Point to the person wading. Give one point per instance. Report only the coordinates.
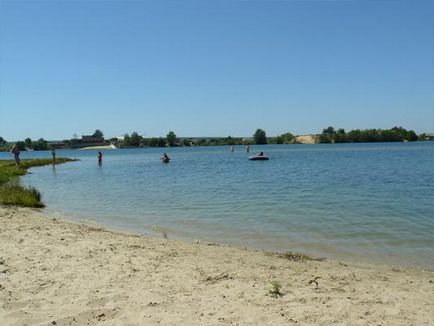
(16, 151)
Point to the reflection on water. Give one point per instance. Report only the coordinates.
(372, 202)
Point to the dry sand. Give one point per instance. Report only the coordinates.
(305, 139)
(60, 273)
(98, 147)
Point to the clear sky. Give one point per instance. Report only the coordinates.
(213, 68)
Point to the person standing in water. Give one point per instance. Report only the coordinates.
(53, 156)
(16, 151)
(247, 148)
(232, 148)
(165, 158)
(99, 158)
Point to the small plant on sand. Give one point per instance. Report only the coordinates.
(275, 290)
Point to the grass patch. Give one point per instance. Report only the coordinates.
(11, 192)
(8, 171)
(15, 194)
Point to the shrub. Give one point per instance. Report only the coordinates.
(275, 289)
(14, 194)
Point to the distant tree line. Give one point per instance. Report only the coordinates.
(135, 140)
(260, 138)
(171, 140)
(424, 136)
(286, 138)
(28, 144)
(396, 134)
(328, 135)
(3, 142)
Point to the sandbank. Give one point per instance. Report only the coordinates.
(98, 147)
(54, 272)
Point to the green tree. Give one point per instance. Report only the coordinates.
(201, 142)
(287, 138)
(171, 138)
(28, 142)
(161, 142)
(412, 136)
(277, 140)
(98, 133)
(153, 142)
(157, 142)
(40, 145)
(341, 136)
(186, 142)
(260, 137)
(135, 139)
(396, 134)
(145, 142)
(229, 140)
(328, 135)
(329, 130)
(21, 146)
(2, 141)
(127, 140)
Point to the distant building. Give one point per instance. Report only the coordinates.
(429, 136)
(91, 139)
(57, 144)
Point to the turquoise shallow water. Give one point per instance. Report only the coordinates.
(365, 202)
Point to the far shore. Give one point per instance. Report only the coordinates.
(98, 147)
(63, 273)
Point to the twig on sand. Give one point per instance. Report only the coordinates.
(315, 280)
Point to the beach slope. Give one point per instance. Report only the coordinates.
(59, 273)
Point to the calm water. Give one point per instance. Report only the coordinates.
(369, 202)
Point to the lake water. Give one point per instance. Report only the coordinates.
(364, 202)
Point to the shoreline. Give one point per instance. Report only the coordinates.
(71, 273)
(308, 248)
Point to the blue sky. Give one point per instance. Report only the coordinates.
(213, 68)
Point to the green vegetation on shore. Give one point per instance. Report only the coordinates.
(328, 135)
(12, 192)
(396, 134)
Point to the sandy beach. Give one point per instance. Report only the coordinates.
(60, 273)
